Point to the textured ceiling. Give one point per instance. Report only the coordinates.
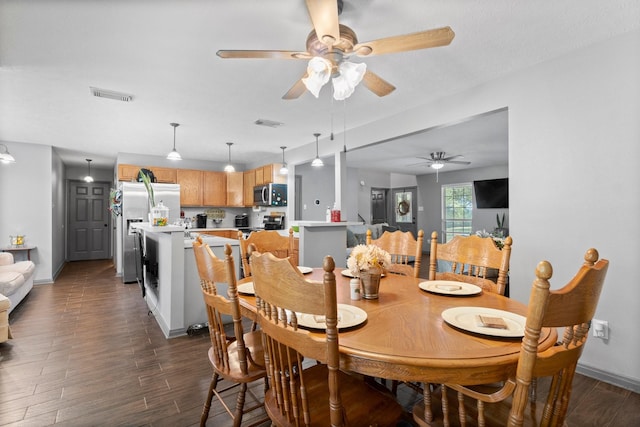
(163, 53)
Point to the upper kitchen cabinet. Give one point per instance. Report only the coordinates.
(235, 189)
(128, 172)
(249, 178)
(214, 185)
(268, 174)
(190, 186)
(164, 175)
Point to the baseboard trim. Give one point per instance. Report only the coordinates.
(607, 377)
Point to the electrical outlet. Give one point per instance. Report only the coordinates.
(600, 329)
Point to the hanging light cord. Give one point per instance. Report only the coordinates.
(344, 127)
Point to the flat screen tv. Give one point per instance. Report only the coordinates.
(492, 193)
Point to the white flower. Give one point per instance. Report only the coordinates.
(363, 257)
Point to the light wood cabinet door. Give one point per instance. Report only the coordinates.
(128, 172)
(190, 187)
(214, 188)
(278, 178)
(164, 175)
(259, 176)
(267, 174)
(235, 187)
(249, 182)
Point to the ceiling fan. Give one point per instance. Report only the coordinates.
(330, 44)
(438, 159)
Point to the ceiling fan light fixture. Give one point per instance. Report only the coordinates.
(88, 178)
(437, 165)
(318, 74)
(317, 162)
(284, 170)
(173, 154)
(229, 167)
(344, 84)
(5, 156)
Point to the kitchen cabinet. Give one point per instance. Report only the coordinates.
(128, 172)
(229, 234)
(164, 175)
(249, 181)
(268, 174)
(190, 186)
(259, 172)
(235, 189)
(214, 188)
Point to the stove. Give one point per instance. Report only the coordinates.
(274, 221)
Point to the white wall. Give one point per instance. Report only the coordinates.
(26, 205)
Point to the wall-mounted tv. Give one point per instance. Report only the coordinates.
(492, 193)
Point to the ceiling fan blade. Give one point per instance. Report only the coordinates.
(377, 84)
(421, 40)
(296, 90)
(446, 159)
(457, 162)
(324, 16)
(262, 54)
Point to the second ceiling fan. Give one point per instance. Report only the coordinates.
(330, 44)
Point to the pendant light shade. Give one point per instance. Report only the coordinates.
(345, 77)
(317, 162)
(88, 178)
(5, 156)
(284, 170)
(174, 155)
(229, 167)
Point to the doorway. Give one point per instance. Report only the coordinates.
(379, 210)
(88, 231)
(404, 203)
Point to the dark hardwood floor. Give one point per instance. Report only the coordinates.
(86, 353)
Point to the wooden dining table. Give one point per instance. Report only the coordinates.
(405, 337)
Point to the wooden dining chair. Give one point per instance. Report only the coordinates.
(239, 359)
(267, 241)
(473, 259)
(405, 250)
(571, 308)
(321, 394)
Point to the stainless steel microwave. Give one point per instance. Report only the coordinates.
(270, 195)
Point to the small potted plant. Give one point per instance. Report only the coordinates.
(500, 231)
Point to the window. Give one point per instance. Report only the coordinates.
(456, 210)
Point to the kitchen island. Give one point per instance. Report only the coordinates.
(171, 280)
(320, 238)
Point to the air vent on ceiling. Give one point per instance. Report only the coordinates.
(269, 123)
(110, 94)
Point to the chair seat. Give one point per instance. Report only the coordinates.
(364, 405)
(253, 343)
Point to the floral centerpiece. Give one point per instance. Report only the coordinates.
(367, 257)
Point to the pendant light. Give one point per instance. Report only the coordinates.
(229, 167)
(88, 178)
(5, 156)
(317, 162)
(284, 170)
(174, 155)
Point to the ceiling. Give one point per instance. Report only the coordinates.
(162, 52)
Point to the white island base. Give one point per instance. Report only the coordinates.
(319, 239)
(175, 299)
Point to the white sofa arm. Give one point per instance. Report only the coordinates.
(6, 258)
